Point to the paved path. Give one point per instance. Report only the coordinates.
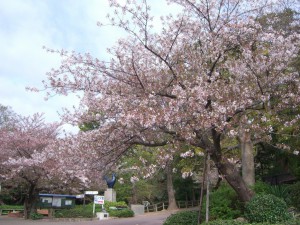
(146, 219)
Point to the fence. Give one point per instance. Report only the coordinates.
(164, 205)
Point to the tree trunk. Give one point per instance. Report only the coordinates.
(202, 190)
(170, 188)
(248, 172)
(225, 168)
(30, 202)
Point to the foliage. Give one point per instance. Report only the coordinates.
(36, 216)
(121, 213)
(294, 194)
(261, 187)
(224, 222)
(77, 212)
(224, 203)
(86, 211)
(280, 191)
(266, 208)
(118, 209)
(182, 218)
(234, 222)
(119, 204)
(140, 163)
(11, 207)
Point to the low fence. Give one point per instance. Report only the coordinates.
(187, 204)
(164, 205)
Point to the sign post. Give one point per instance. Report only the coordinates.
(98, 199)
(90, 193)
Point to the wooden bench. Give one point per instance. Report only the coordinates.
(6, 211)
(44, 212)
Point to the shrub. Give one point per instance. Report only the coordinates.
(120, 204)
(294, 193)
(36, 216)
(76, 212)
(11, 207)
(233, 222)
(224, 222)
(121, 210)
(224, 204)
(121, 213)
(118, 209)
(261, 187)
(266, 208)
(280, 191)
(182, 218)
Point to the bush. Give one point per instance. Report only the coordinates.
(294, 194)
(224, 222)
(233, 222)
(118, 209)
(224, 204)
(118, 205)
(266, 208)
(261, 187)
(11, 207)
(36, 216)
(182, 218)
(80, 211)
(76, 212)
(121, 213)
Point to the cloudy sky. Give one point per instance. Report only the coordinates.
(28, 25)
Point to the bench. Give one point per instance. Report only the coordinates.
(7, 211)
(44, 212)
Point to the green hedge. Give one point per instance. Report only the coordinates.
(191, 218)
(224, 222)
(294, 194)
(182, 218)
(266, 208)
(118, 209)
(224, 204)
(36, 216)
(233, 222)
(21, 207)
(121, 213)
(80, 211)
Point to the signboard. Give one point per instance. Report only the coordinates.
(79, 196)
(98, 199)
(91, 192)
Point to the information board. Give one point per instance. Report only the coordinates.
(98, 199)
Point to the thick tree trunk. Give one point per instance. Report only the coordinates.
(248, 172)
(170, 188)
(233, 177)
(225, 168)
(30, 202)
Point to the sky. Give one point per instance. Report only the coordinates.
(28, 25)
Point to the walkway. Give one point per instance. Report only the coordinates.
(156, 218)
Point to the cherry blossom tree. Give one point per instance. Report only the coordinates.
(28, 136)
(190, 82)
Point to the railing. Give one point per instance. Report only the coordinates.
(187, 204)
(164, 205)
(155, 207)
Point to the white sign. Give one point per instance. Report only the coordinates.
(98, 199)
(79, 196)
(91, 192)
